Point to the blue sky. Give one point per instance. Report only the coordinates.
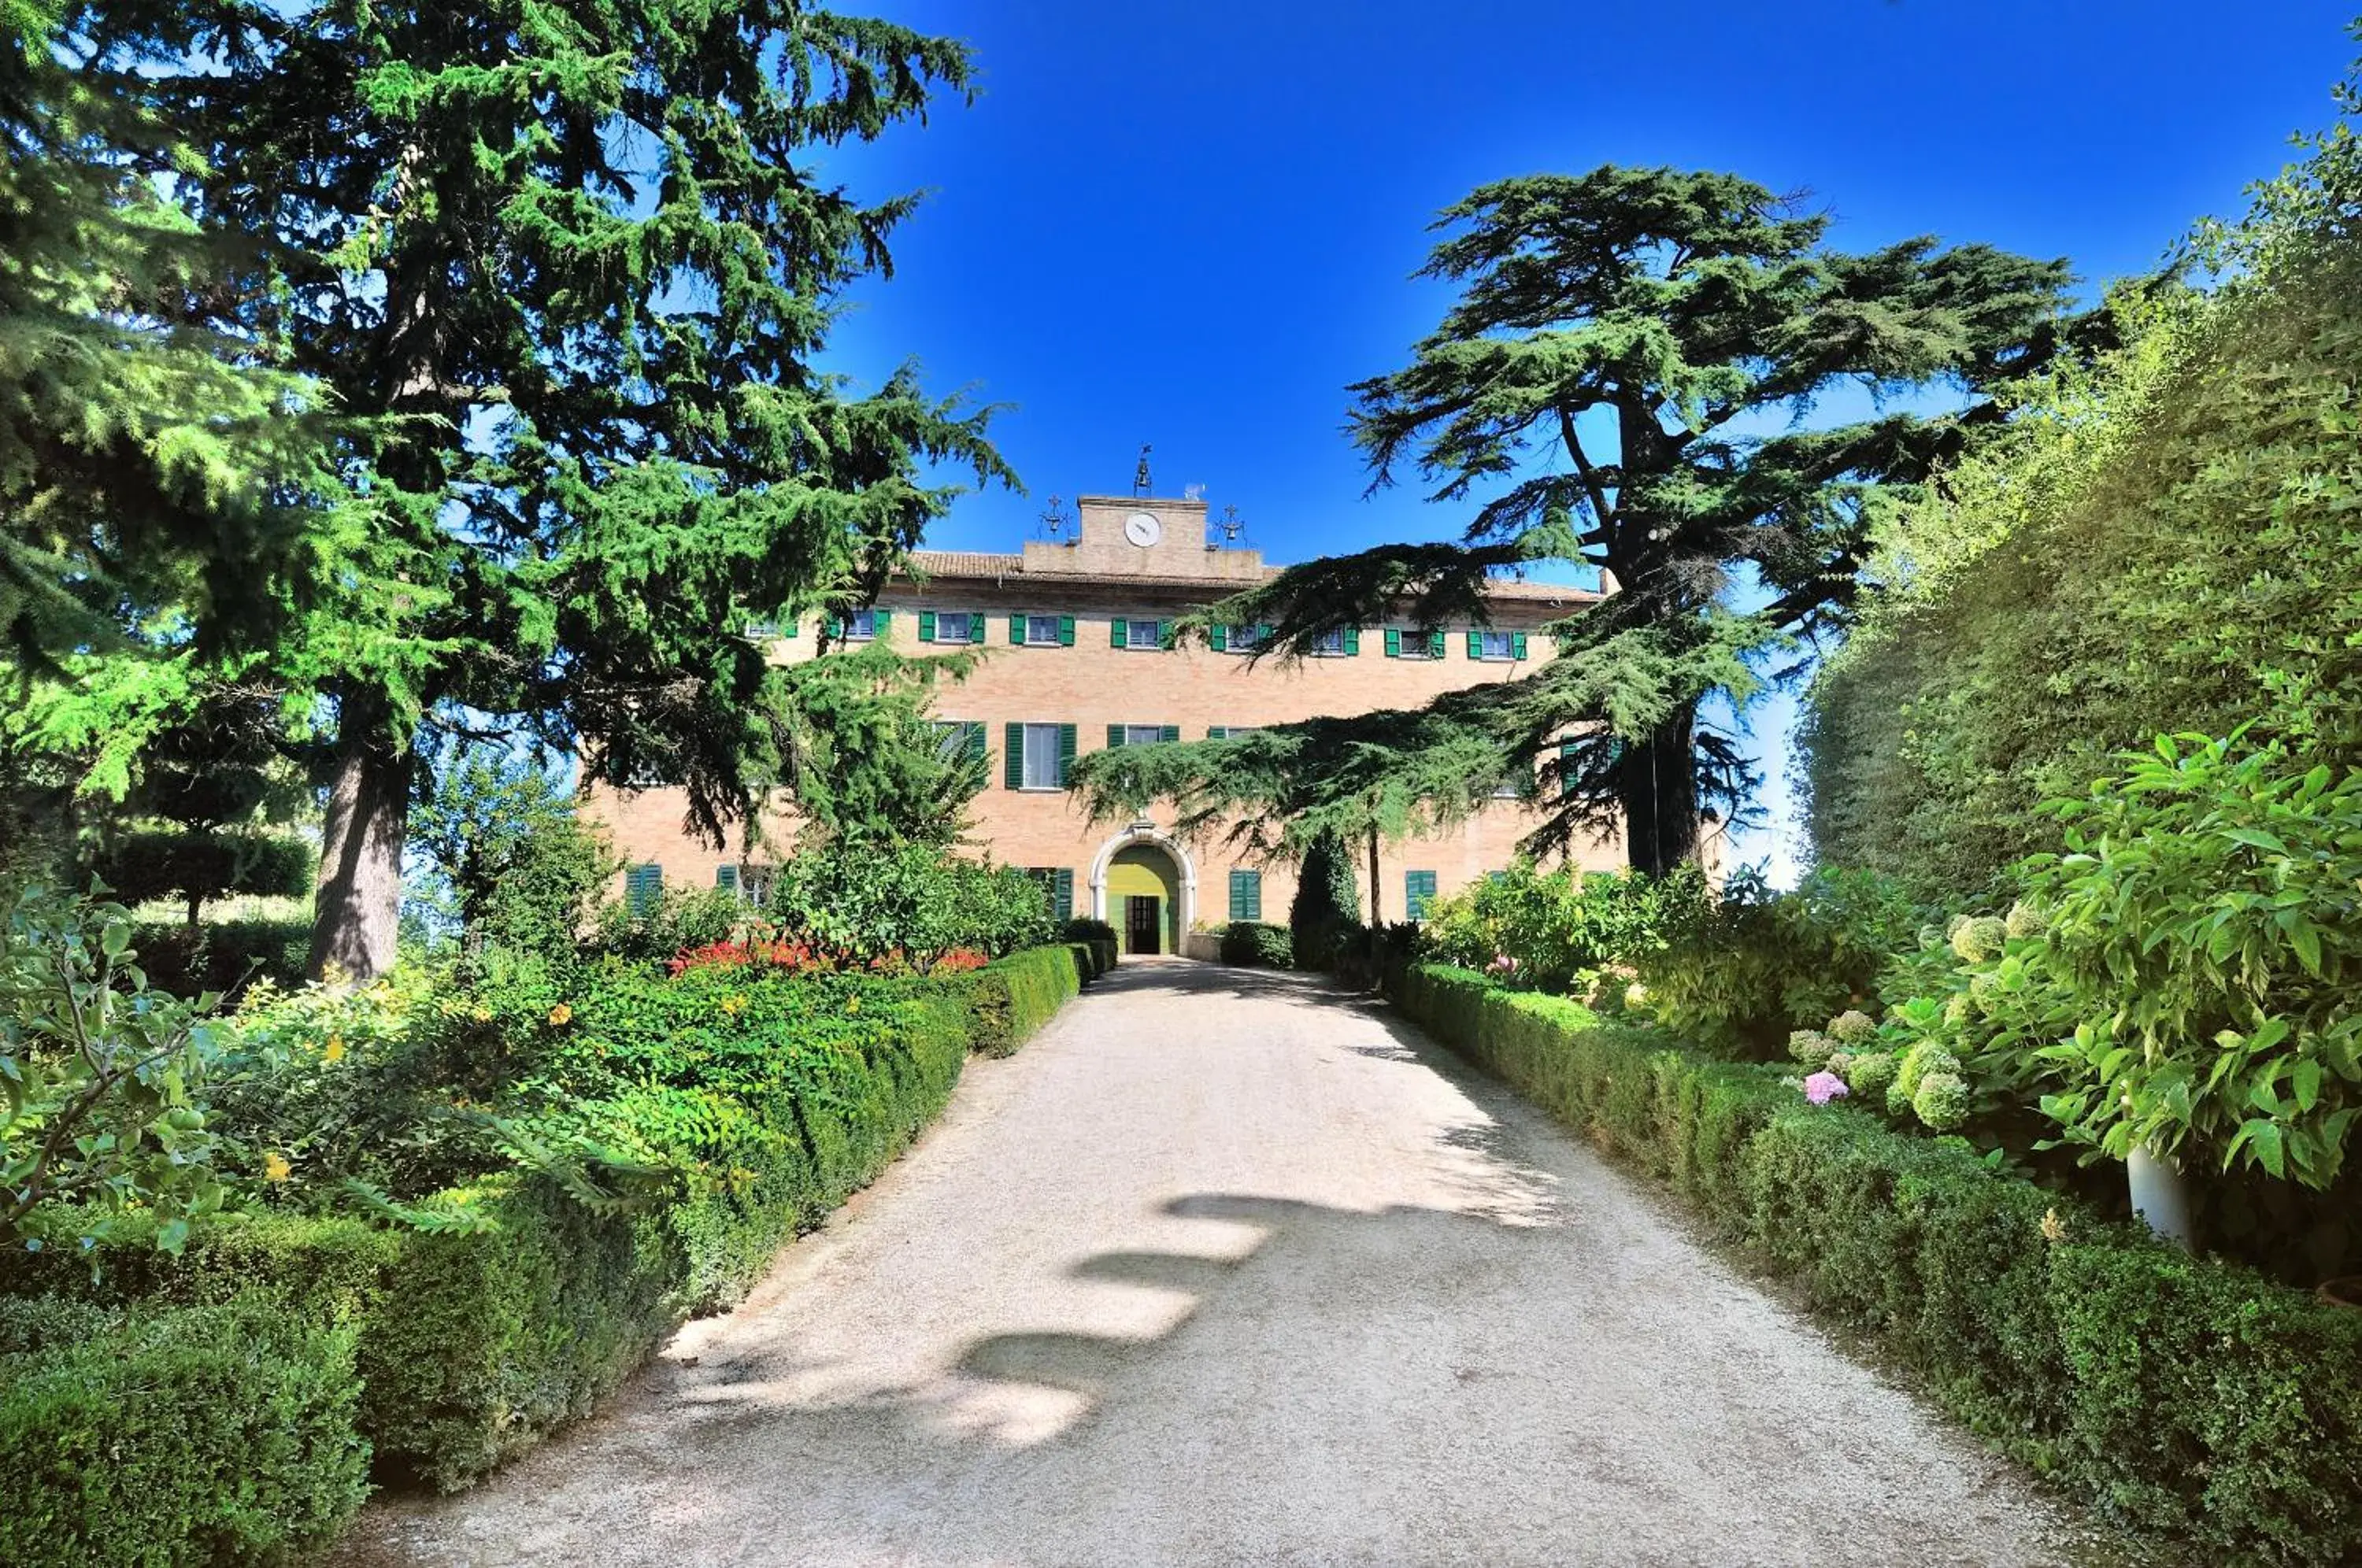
(1194, 223)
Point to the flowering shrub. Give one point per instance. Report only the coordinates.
(1824, 1086)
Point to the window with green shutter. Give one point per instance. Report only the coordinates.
(1246, 895)
(1017, 631)
(975, 628)
(1352, 642)
(1475, 642)
(1218, 638)
(1516, 645)
(726, 878)
(1169, 731)
(1065, 630)
(1418, 892)
(1062, 893)
(1066, 754)
(1013, 770)
(643, 885)
(1216, 731)
(1118, 632)
(1394, 642)
(926, 625)
(1435, 643)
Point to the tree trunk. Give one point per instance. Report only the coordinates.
(1657, 783)
(1377, 921)
(358, 905)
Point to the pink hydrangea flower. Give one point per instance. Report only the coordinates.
(1823, 1088)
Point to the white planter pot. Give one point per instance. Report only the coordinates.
(2160, 1195)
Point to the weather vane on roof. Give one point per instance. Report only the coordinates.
(1140, 474)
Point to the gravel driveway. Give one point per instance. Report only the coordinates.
(1226, 1268)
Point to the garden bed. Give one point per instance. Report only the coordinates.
(435, 1355)
(2196, 1399)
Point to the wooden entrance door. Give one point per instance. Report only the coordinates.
(1141, 924)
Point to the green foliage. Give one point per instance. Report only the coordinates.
(2204, 941)
(195, 866)
(220, 1434)
(147, 464)
(2160, 546)
(1258, 944)
(504, 852)
(1010, 999)
(1326, 903)
(221, 955)
(2191, 1399)
(1560, 925)
(102, 1083)
(868, 761)
(1083, 928)
(1740, 973)
(859, 899)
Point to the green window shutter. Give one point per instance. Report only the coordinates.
(1263, 637)
(1418, 888)
(1017, 630)
(1065, 630)
(1164, 633)
(1012, 765)
(1352, 641)
(1394, 642)
(1117, 632)
(1475, 642)
(836, 628)
(643, 885)
(973, 739)
(1215, 732)
(1062, 893)
(976, 626)
(926, 625)
(1516, 645)
(1435, 643)
(1170, 731)
(878, 620)
(726, 878)
(1219, 638)
(1115, 737)
(1246, 895)
(1066, 754)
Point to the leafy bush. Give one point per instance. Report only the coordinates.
(102, 1083)
(2204, 941)
(195, 866)
(2190, 1398)
(1010, 998)
(1255, 944)
(1740, 973)
(223, 956)
(1083, 928)
(207, 1435)
(505, 856)
(857, 902)
(1557, 928)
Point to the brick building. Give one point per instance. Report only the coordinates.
(1074, 637)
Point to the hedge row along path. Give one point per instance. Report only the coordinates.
(1225, 1267)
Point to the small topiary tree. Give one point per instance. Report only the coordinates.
(1326, 898)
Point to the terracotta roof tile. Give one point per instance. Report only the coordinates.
(974, 564)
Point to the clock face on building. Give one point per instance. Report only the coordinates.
(1142, 529)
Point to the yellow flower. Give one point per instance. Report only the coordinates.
(482, 1015)
(561, 1015)
(853, 1004)
(733, 1006)
(276, 1168)
(334, 1050)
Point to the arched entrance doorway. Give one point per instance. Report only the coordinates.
(1143, 885)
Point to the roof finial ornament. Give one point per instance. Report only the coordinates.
(1140, 474)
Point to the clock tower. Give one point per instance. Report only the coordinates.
(1142, 536)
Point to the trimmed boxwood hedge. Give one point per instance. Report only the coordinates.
(1011, 998)
(2177, 1394)
(1249, 943)
(449, 1353)
(175, 1435)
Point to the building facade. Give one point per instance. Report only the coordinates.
(1077, 656)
